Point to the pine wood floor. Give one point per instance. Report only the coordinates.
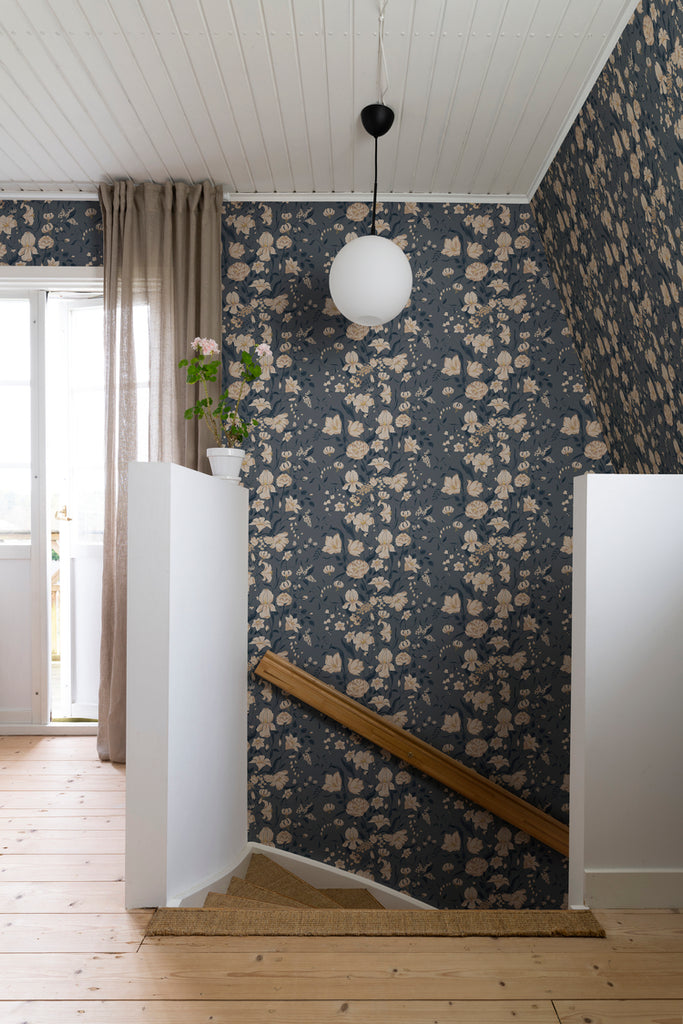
(70, 953)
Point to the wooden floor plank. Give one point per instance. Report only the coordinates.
(46, 842)
(43, 747)
(268, 1012)
(156, 973)
(61, 897)
(72, 932)
(643, 929)
(33, 868)
(63, 783)
(66, 766)
(56, 820)
(641, 1011)
(73, 799)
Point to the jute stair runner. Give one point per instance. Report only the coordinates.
(250, 891)
(267, 874)
(273, 901)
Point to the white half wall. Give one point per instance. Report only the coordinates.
(186, 817)
(626, 781)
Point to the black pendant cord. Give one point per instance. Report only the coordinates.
(374, 194)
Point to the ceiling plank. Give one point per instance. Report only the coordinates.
(504, 64)
(150, 42)
(339, 83)
(285, 63)
(99, 88)
(521, 86)
(255, 56)
(41, 109)
(444, 84)
(411, 46)
(219, 19)
(311, 40)
(135, 86)
(582, 20)
(484, 25)
(207, 100)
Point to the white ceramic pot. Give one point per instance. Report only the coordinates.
(226, 463)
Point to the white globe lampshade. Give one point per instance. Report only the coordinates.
(370, 280)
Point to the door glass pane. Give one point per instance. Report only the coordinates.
(15, 420)
(75, 487)
(86, 422)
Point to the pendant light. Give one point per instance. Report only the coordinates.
(370, 278)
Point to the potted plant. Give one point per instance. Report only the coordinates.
(228, 426)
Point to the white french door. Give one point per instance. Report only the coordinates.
(23, 613)
(45, 546)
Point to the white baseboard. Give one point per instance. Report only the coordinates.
(622, 889)
(58, 729)
(323, 876)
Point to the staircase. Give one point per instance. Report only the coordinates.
(267, 884)
(271, 900)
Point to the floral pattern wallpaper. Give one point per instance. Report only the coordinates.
(410, 530)
(411, 493)
(50, 233)
(609, 212)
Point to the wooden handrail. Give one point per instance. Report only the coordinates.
(414, 751)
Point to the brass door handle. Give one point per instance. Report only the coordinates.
(61, 514)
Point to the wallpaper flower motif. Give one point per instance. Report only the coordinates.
(49, 233)
(411, 539)
(609, 211)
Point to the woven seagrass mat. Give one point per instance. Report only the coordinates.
(285, 921)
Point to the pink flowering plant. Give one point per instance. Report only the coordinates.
(228, 426)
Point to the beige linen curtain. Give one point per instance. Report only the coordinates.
(162, 249)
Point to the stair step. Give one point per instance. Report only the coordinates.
(229, 902)
(266, 873)
(354, 899)
(249, 891)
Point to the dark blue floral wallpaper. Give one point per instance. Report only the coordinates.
(410, 530)
(411, 538)
(609, 212)
(50, 233)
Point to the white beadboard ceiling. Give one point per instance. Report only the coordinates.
(264, 96)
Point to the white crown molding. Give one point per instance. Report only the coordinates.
(83, 192)
(18, 277)
(366, 197)
(30, 191)
(583, 94)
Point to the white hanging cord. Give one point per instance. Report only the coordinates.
(382, 73)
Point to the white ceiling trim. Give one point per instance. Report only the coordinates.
(364, 197)
(82, 193)
(50, 277)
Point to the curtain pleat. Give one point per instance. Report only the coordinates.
(162, 247)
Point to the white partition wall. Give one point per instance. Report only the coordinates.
(626, 784)
(186, 818)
